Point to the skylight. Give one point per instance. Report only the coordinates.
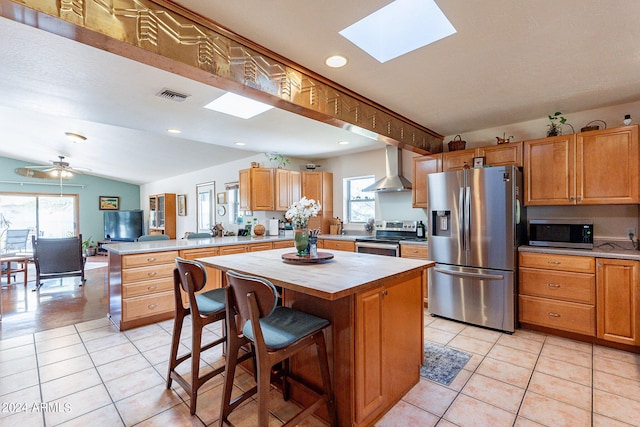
(236, 105)
(399, 28)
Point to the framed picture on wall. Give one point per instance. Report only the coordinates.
(182, 204)
(221, 198)
(109, 203)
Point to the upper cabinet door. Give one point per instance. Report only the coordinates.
(607, 166)
(549, 171)
(421, 167)
(501, 154)
(456, 160)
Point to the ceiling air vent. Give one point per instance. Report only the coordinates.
(172, 95)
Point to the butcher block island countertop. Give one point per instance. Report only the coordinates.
(375, 340)
(346, 274)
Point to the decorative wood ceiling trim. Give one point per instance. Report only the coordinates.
(167, 36)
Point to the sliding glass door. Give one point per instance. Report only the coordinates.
(43, 215)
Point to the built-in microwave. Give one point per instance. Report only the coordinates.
(561, 233)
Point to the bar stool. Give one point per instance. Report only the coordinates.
(205, 308)
(275, 334)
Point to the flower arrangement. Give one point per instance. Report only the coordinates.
(300, 212)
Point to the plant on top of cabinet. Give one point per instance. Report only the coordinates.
(279, 159)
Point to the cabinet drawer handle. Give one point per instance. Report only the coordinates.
(554, 262)
(553, 285)
(151, 259)
(152, 306)
(152, 273)
(152, 288)
(550, 314)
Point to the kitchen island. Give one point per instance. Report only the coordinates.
(374, 304)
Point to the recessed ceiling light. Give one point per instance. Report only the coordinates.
(239, 143)
(173, 130)
(422, 23)
(343, 142)
(75, 137)
(238, 106)
(336, 61)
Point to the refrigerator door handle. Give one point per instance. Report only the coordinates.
(467, 217)
(461, 223)
(467, 274)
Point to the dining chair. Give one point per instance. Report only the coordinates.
(204, 308)
(58, 258)
(151, 237)
(274, 333)
(199, 236)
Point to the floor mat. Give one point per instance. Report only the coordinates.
(442, 364)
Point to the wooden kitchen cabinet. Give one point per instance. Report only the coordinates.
(495, 155)
(383, 341)
(502, 154)
(145, 292)
(418, 252)
(162, 214)
(456, 160)
(339, 245)
(618, 300)
(422, 166)
(214, 276)
(597, 167)
(288, 188)
(257, 189)
(319, 186)
(558, 291)
(282, 244)
(249, 247)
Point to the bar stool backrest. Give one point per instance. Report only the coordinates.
(191, 271)
(264, 291)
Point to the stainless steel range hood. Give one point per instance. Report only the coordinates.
(394, 181)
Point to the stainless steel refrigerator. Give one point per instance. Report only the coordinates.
(475, 226)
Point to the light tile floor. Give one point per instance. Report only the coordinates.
(92, 374)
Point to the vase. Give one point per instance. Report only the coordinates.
(301, 241)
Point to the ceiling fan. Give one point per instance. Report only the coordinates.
(58, 169)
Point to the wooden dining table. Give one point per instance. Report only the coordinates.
(375, 306)
(21, 260)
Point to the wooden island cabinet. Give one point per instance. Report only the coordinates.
(375, 341)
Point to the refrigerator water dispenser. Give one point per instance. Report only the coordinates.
(441, 221)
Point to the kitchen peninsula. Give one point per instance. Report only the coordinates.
(374, 304)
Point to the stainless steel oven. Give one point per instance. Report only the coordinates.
(387, 238)
(378, 248)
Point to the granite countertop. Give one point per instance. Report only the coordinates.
(127, 248)
(601, 249)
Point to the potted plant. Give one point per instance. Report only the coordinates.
(89, 246)
(279, 159)
(556, 121)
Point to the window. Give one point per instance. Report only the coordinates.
(360, 204)
(43, 215)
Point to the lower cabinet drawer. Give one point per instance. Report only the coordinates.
(145, 273)
(340, 245)
(567, 316)
(566, 286)
(138, 307)
(414, 251)
(147, 287)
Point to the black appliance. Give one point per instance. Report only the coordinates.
(561, 233)
(123, 226)
(388, 235)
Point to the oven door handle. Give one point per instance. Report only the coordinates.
(376, 245)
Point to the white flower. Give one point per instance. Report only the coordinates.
(300, 212)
